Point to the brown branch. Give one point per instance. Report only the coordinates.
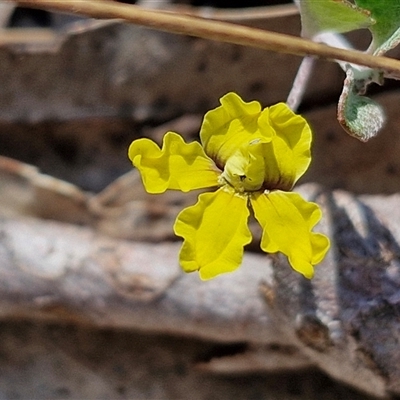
(220, 31)
(344, 320)
(66, 273)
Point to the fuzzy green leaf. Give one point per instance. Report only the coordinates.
(360, 116)
(331, 15)
(386, 30)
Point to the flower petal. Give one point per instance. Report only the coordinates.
(229, 126)
(287, 220)
(177, 165)
(288, 155)
(215, 231)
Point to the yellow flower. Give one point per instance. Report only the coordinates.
(254, 157)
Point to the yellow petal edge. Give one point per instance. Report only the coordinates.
(215, 231)
(231, 125)
(178, 165)
(287, 220)
(288, 155)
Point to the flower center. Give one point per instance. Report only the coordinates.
(245, 169)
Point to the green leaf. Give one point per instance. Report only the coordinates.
(386, 30)
(360, 116)
(332, 15)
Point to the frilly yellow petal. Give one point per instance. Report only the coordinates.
(287, 220)
(288, 155)
(215, 231)
(177, 165)
(231, 125)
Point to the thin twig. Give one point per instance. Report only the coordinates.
(213, 30)
(300, 83)
(226, 14)
(306, 67)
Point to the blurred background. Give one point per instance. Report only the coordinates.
(74, 94)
